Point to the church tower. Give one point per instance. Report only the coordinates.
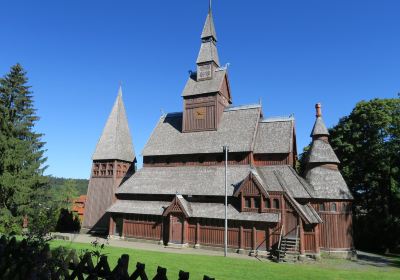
(113, 160)
(207, 92)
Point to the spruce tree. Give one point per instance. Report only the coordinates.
(22, 184)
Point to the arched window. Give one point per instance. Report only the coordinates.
(321, 207)
(333, 207)
(276, 203)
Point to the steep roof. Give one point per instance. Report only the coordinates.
(208, 52)
(236, 129)
(274, 135)
(209, 28)
(328, 183)
(322, 152)
(319, 128)
(185, 180)
(194, 87)
(210, 180)
(115, 141)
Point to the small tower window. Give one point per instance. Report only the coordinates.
(247, 202)
(276, 203)
(321, 207)
(256, 202)
(333, 207)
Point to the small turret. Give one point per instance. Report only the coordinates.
(322, 169)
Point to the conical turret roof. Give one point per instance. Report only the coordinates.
(115, 141)
(327, 181)
(209, 28)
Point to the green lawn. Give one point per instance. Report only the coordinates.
(237, 268)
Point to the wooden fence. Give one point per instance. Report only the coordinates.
(19, 260)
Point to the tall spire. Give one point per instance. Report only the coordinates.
(208, 58)
(209, 29)
(115, 141)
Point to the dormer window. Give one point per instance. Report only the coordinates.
(333, 207)
(256, 202)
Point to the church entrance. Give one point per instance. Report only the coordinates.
(176, 229)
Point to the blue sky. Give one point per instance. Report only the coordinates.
(291, 54)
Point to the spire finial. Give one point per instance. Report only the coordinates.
(120, 88)
(209, 5)
(318, 112)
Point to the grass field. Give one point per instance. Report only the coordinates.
(238, 268)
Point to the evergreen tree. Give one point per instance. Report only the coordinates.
(22, 184)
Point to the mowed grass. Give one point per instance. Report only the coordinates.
(238, 268)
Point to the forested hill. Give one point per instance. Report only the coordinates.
(77, 186)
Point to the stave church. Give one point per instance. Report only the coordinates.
(178, 197)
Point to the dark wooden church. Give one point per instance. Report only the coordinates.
(177, 197)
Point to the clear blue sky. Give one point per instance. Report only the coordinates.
(291, 54)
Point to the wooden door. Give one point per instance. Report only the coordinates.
(261, 240)
(176, 224)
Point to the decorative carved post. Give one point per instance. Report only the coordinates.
(317, 236)
(111, 227)
(302, 247)
(241, 239)
(197, 243)
(254, 235)
(184, 230)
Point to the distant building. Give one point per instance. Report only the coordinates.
(78, 206)
(177, 198)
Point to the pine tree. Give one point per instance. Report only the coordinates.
(22, 184)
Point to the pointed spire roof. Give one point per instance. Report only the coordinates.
(208, 50)
(319, 128)
(115, 141)
(209, 28)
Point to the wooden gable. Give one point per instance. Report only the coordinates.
(176, 207)
(251, 187)
(225, 89)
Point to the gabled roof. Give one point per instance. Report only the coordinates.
(254, 177)
(319, 128)
(328, 183)
(194, 87)
(179, 203)
(208, 52)
(297, 186)
(236, 129)
(275, 136)
(322, 152)
(115, 141)
(209, 28)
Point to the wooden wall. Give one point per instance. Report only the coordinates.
(142, 227)
(200, 113)
(273, 159)
(336, 230)
(195, 160)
